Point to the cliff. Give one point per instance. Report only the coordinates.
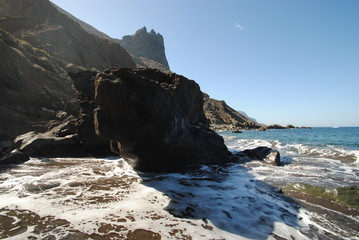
(34, 87)
(147, 48)
(223, 117)
(43, 26)
(38, 46)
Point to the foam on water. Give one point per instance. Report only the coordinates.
(327, 167)
(96, 197)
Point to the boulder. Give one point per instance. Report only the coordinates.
(155, 120)
(14, 157)
(266, 154)
(48, 145)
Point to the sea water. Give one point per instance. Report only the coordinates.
(327, 157)
(89, 198)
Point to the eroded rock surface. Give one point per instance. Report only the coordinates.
(155, 120)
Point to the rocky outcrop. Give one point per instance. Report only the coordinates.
(85, 128)
(155, 120)
(277, 126)
(265, 154)
(13, 157)
(34, 87)
(223, 117)
(38, 45)
(147, 48)
(48, 145)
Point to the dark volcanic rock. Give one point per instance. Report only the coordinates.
(85, 128)
(266, 154)
(47, 145)
(14, 157)
(38, 45)
(155, 120)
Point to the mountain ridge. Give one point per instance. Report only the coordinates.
(40, 45)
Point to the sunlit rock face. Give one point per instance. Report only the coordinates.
(146, 48)
(155, 120)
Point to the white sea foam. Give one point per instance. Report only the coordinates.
(210, 203)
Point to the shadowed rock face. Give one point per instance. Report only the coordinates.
(33, 87)
(38, 45)
(85, 129)
(155, 120)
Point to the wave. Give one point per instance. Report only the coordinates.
(316, 151)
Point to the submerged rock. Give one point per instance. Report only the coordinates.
(155, 120)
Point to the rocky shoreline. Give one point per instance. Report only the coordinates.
(153, 119)
(251, 126)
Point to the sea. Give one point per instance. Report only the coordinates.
(104, 198)
(322, 156)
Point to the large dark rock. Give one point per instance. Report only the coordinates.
(14, 157)
(47, 145)
(85, 128)
(155, 120)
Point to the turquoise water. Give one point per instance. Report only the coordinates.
(345, 137)
(327, 157)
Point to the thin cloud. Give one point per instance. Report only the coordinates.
(239, 26)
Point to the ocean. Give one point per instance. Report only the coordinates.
(326, 157)
(92, 198)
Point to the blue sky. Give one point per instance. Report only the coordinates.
(280, 61)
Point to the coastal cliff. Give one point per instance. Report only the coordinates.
(39, 45)
(223, 117)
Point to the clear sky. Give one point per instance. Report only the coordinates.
(280, 61)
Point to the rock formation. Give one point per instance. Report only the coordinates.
(85, 128)
(146, 48)
(43, 26)
(33, 87)
(48, 145)
(265, 154)
(223, 117)
(38, 45)
(155, 120)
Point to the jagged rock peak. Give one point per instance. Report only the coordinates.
(146, 48)
(143, 31)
